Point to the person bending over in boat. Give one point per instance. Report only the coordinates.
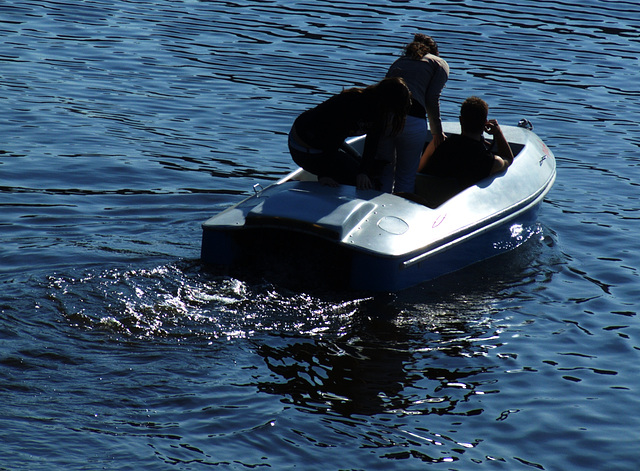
(426, 75)
(467, 157)
(316, 139)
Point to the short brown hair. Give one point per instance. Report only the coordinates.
(473, 114)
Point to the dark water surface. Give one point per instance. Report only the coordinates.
(125, 124)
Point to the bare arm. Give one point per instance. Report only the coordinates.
(426, 155)
(504, 154)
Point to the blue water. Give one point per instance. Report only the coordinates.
(126, 124)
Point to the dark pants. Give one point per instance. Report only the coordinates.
(338, 164)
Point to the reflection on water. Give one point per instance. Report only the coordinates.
(375, 374)
(389, 363)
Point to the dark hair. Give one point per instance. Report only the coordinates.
(391, 98)
(427, 41)
(416, 50)
(473, 114)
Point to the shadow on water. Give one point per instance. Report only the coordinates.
(370, 369)
(368, 366)
(390, 360)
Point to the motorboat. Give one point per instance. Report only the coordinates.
(381, 242)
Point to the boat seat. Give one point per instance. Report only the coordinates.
(433, 191)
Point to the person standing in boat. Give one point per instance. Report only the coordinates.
(316, 139)
(426, 74)
(466, 157)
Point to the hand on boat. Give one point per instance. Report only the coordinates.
(363, 182)
(438, 139)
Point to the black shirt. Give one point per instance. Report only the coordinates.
(347, 114)
(461, 157)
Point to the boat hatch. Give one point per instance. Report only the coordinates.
(331, 216)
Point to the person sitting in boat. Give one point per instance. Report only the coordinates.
(316, 139)
(466, 157)
(426, 74)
